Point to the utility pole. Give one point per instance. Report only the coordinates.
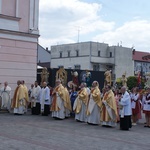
(78, 36)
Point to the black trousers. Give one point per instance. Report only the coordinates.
(125, 123)
(37, 109)
(46, 110)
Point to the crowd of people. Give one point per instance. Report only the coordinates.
(91, 105)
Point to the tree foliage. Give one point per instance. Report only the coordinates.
(132, 82)
(118, 82)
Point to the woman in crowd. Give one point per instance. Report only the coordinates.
(73, 96)
(146, 107)
(135, 103)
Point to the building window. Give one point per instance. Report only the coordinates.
(60, 54)
(77, 53)
(77, 67)
(96, 67)
(99, 53)
(60, 66)
(68, 53)
(69, 67)
(110, 54)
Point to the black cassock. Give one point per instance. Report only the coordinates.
(125, 123)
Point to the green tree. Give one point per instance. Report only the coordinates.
(118, 82)
(132, 82)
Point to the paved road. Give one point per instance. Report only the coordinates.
(43, 133)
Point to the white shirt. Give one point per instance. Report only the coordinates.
(134, 97)
(45, 96)
(36, 93)
(146, 103)
(126, 103)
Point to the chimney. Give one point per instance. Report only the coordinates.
(46, 48)
(133, 51)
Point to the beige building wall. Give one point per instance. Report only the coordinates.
(123, 61)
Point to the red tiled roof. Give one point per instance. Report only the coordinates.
(140, 56)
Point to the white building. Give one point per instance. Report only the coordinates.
(93, 56)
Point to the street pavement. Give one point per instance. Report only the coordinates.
(30, 132)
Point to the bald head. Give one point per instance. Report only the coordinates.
(82, 85)
(58, 82)
(95, 83)
(123, 89)
(44, 84)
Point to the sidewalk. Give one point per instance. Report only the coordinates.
(44, 133)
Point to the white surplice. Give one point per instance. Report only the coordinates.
(61, 112)
(44, 97)
(6, 97)
(36, 94)
(94, 111)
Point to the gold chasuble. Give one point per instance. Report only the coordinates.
(67, 101)
(18, 95)
(64, 95)
(82, 98)
(26, 92)
(106, 116)
(95, 93)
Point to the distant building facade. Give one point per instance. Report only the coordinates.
(140, 63)
(44, 57)
(18, 40)
(93, 56)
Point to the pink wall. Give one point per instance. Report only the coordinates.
(9, 7)
(17, 61)
(24, 15)
(18, 55)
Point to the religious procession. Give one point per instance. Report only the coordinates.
(106, 107)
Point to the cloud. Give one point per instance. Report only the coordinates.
(60, 20)
(47, 42)
(136, 32)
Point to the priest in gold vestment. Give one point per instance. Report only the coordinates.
(80, 104)
(109, 108)
(67, 103)
(26, 94)
(25, 91)
(94, 105)
(60, 101)
(18, 102)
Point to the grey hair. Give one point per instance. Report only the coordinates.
(83, 83)
(124, 88)
(96, 83)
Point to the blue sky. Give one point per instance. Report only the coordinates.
(121, 11)
(109, 21)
